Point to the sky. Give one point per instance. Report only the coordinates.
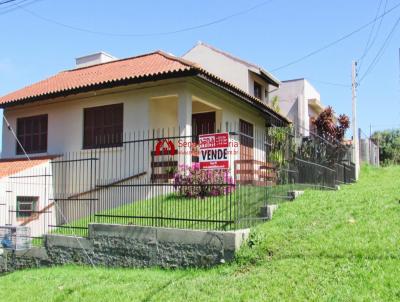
(34, 45)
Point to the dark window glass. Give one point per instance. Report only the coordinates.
(32, 134)
(103, 126)
(257, 90)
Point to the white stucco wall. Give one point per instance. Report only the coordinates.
(144, 109)
(291, 99)
(65, 117)
(33, 182)
(310, 92)
(218, 64)
(231, 70)
(294, 97)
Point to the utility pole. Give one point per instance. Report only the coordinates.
(356, 152)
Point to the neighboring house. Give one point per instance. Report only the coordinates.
(102, 101)
(25, 190)
(247, 76)
(300, 102)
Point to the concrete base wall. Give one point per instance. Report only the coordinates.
(132, 246)
(32, 258)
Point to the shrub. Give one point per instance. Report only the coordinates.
(191, 181)
(327, 126)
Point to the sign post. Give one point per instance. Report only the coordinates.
(214, 153)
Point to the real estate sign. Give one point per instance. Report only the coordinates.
(214, 151)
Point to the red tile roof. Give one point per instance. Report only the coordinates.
(151, 66)
(15, 165)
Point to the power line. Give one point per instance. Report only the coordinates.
(15, 136)
(381, 51)
(8, 1)
(15, 6)
(370, 42)
(318, 50)
(164, 33)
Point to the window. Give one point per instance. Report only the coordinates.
(26, 206)
(257, 90)
(32, 134)
(103, 126)
(246, 135)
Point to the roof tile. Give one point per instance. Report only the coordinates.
(12, 166)
(155, 63)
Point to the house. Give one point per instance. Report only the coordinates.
(150, 91)
(25, 187)
(247, 76)
(300, 102)
(107, 111)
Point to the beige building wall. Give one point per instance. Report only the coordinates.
(295, 97)
(235, 71)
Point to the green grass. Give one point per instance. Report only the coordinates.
(245, 202)
(326, 246)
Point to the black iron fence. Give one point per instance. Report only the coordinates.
(153, 178)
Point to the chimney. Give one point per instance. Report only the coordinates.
(93, 59)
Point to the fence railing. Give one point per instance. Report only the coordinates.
(153, 179)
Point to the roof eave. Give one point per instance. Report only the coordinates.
(270, 78)
(105, 85)
(176, 74)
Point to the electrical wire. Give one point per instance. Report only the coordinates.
(381, 51)
(370, 34)
(370, 42)
(55, 204)
(163, 33)
(8, 1)
(15, 136)
(346, 36)
(14, 6)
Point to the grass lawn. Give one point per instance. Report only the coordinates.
(243, 203)
(326, 246)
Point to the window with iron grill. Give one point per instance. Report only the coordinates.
(26, 206)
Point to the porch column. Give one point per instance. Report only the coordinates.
(185, 125)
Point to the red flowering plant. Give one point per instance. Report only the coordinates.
(191, 181)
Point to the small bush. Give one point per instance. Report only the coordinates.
(191, 181)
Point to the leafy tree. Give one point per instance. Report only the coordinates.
(389, 146)
(275, 104)
(328, 128)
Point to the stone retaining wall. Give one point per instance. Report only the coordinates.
(132, 246)
(14, 260)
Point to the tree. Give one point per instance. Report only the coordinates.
(327, 126)
(389, 146)
(275, 104)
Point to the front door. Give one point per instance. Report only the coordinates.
(203, 123)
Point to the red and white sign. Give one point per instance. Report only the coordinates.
(214, 151)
